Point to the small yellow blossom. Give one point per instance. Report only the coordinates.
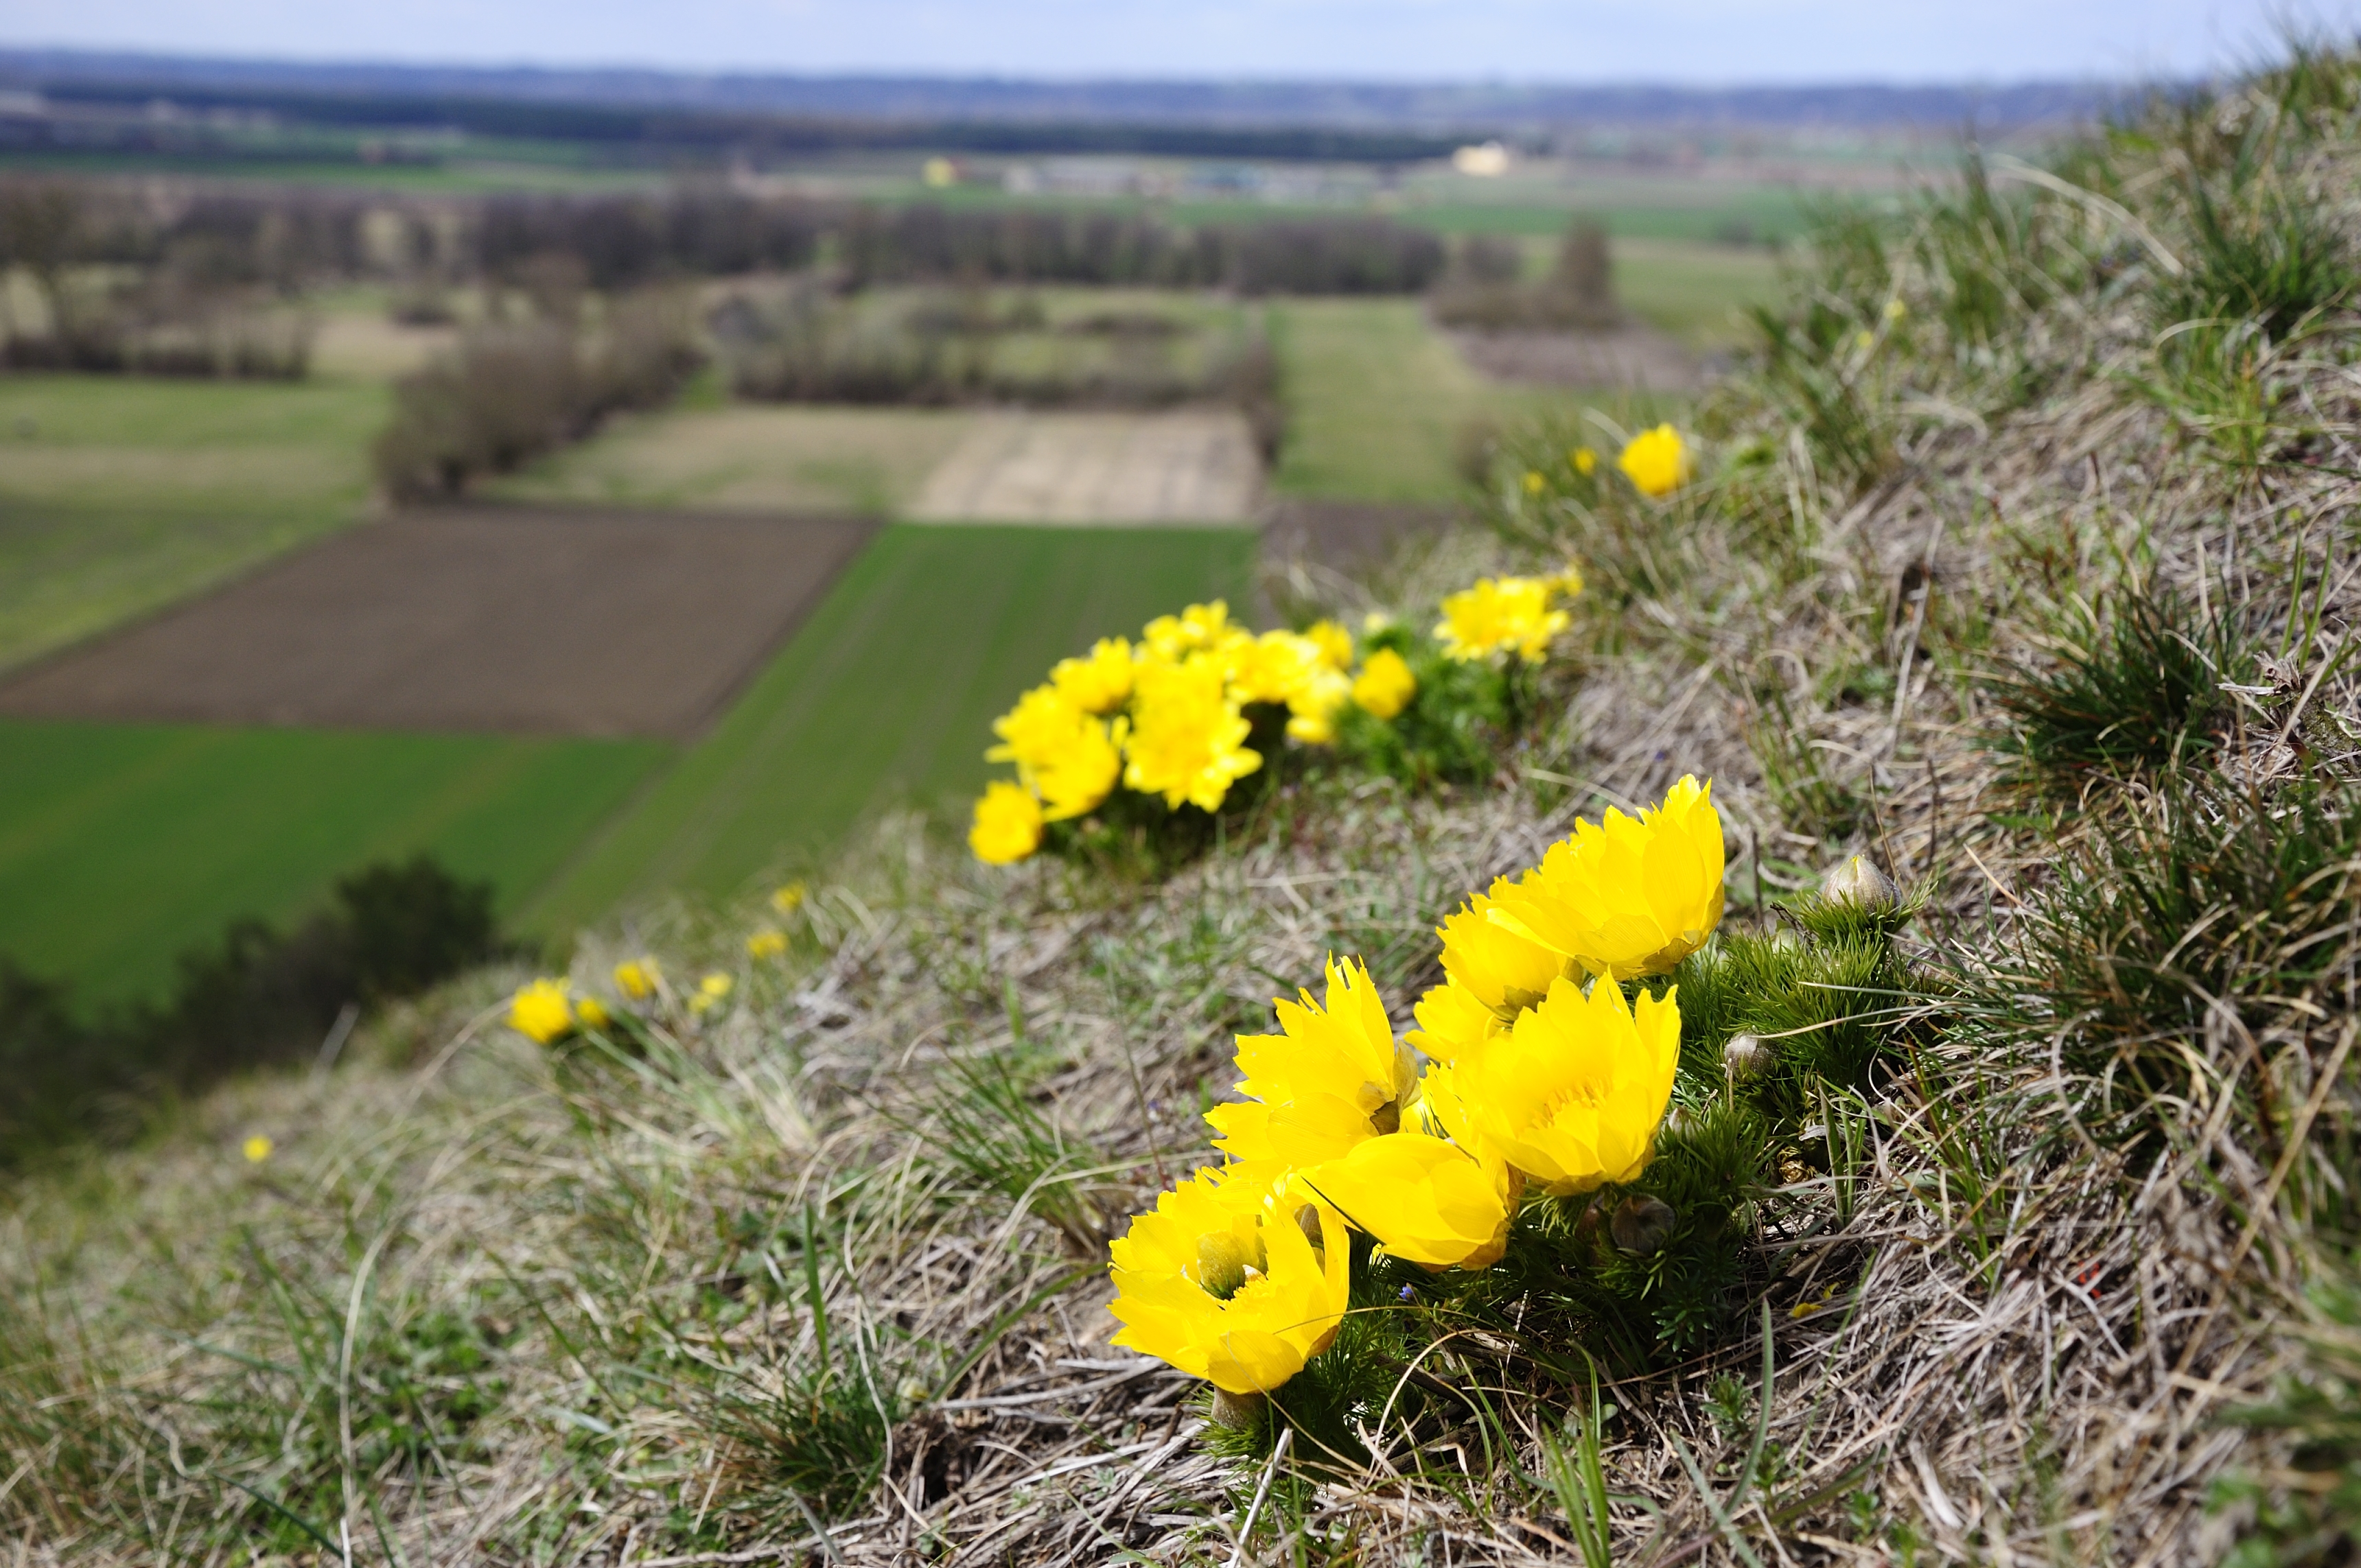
(1501, 614)
(766, 943)
(1336, 644)
(1864, 339)
(1630, 897)
(1331, 1077)
(1071, 759)
(1187, 737)
(1573, 1094)
(710, 993)
(1584, 461)
(1896, 310)
(540, 1013)
(1423, 1199)
(1505, 971)
(1655, 461)
(1385, 684)
(638, 978)
(1375, 621)
(592, 1013)
(1222, 1281)
(1007, 826)
(1534, 483)
(257, 1148)
(790, 898)
(1099, 683)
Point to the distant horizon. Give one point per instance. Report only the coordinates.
(1522, 43)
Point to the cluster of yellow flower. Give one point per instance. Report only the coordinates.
(547, 1011)
(1239, 1275)
(1166, 717)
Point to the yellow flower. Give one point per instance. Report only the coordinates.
(710, 991)
(1007, 826)
(1573, 1094)
(1864, 339)
(1533, 481)
(1501, 613)
(540, 1013)
(1385, 684)
(1896, 310)
(1099, 683)
(766, 943)
(1632, 896)
(1584, 461)
(1655, 461)
(1186, 735)
(1452, 1021)
(1568, 582)
(1272, 667)
(637, 977)
(790, 898)
(1331, 1077)
(592, 1013)
(1058, 748)
(1199, 629)
(1505, 971)
(1375, 621)
(257, 1149)
(1423, 1199)
(1336, 644)
(1312, 711)
(1220, 1280)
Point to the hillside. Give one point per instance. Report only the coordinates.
(2004, 1214)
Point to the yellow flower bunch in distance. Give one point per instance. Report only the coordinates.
(1230, 1282)
(1655, 461)
(542, 1011)
(638, 978)
(1502, 615)
(1068, 757)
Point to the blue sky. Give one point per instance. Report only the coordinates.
(1519, 41)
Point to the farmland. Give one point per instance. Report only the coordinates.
(122, 844)
(886, 695)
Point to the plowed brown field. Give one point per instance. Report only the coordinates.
(519, 621)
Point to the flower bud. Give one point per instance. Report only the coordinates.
(1642, 1224)
(1237, 1411)
(1859, 882)
(1745, 1059)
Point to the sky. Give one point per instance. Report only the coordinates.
(1688, 42)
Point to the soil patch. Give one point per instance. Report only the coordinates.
(1626, 356)
(1192, 465)
(515, 620)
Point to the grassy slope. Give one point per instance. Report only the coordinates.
(122, 844)
(118, 495)
(887, 691)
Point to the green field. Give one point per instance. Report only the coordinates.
(1376, 401)
(888, 693)
(121, 845)
(120, 494)
(1699, 293)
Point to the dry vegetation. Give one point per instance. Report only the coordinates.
(2021, 563)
